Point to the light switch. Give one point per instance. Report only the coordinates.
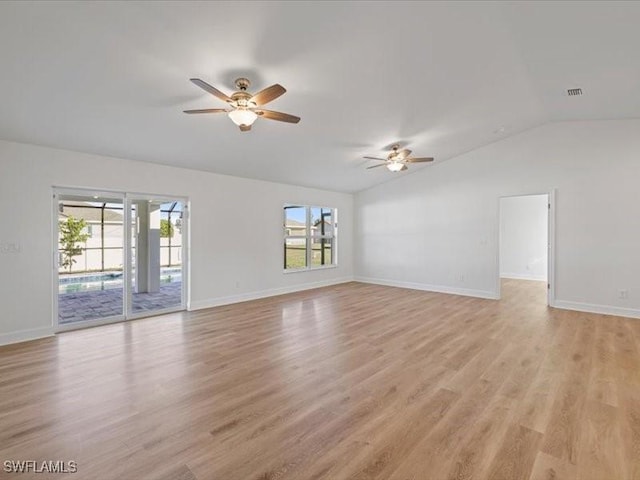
(9, 247)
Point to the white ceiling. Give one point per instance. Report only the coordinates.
(111, 78)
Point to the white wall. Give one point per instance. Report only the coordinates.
(523, 237)
(438, 228)
(236, 229)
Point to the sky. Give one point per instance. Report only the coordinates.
(299, 213)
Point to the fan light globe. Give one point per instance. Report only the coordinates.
(394, 166)
(243, 117)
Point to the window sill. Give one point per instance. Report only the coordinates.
(313, 269)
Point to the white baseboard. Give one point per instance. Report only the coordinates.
(272, 292)
(601, 309)
(467, 292)
(524, 276)
(25, 335)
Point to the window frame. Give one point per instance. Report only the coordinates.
(308, 237)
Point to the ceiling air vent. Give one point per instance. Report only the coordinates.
(573, 92)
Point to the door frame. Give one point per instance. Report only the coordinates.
(126, 197)
(551, 243)
(184, 304)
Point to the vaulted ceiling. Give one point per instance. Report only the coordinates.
(111, 78)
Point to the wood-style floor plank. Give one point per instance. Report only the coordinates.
(353, 381)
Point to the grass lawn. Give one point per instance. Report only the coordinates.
(296, 256)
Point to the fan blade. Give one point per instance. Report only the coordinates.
(245, 128)
(212, 90)
(281, 117)
(268, 94)
(402, 154)
(375, 158)
(419, 160)
(376, 166)
(207, 110)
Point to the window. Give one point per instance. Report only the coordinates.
(309, 237)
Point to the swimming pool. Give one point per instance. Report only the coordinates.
(107, 280)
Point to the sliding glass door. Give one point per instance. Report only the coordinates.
(117, 256)
(89, 257)
(156, 255)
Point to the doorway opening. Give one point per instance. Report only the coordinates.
(117, 256)
(525, 245)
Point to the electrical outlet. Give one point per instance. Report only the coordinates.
(623, 294)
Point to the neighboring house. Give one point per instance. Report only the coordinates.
(317, 229)
(296, 228)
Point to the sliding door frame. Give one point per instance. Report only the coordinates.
(126, 198)
(129, 257)
(59, 192)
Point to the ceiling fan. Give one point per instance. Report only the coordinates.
(245, 107)
(397, 160)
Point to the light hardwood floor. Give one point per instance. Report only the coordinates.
(354, 381)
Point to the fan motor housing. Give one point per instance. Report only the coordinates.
(243, 83)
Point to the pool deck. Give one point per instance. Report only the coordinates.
(92, 305)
